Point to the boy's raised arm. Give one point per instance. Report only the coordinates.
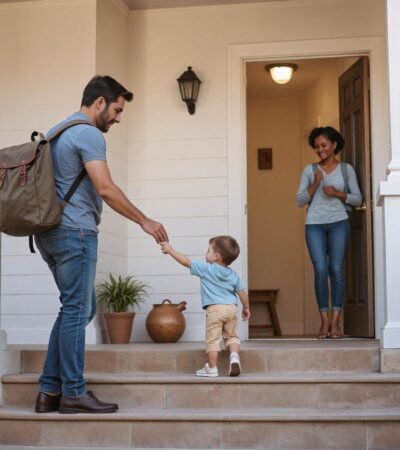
(166, 248)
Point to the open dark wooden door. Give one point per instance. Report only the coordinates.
(358, 310)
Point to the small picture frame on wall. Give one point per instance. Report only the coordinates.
(264, 158)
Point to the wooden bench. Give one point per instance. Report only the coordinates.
(268, 296)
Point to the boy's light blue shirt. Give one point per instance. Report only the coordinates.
(76, 146)
(219, 284)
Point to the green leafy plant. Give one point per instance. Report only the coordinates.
(118, 294)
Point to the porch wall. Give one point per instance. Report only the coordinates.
(111, 59)
(178, 164)
(47, 55)
(177, 168)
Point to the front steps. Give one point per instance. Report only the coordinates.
(293, 395)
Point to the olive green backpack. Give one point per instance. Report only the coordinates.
(28, 200)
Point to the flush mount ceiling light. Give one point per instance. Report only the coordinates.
(281, 73)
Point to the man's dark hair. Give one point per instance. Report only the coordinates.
(330, 133)
(227, 247)
(104, 86)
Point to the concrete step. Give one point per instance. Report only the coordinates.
(274, 428)
(170, 391)
(29, 447)
(269, 356)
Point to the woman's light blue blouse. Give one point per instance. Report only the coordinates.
(323, 208)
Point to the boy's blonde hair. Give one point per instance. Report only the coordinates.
(227, 247)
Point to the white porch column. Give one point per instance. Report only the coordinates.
(389, 199)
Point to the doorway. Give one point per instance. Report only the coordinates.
(279, 118)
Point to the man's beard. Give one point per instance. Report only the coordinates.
(103, 123)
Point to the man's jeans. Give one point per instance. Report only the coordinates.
(327, 245)
(72, 257)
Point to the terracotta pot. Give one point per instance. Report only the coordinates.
(119, 326)
(165, 322)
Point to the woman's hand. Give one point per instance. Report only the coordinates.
(314, 186)
(318, 176)
(330, 191)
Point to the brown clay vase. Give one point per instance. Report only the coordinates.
(119, 326)
(165, 322)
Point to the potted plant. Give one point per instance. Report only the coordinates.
(119, 294)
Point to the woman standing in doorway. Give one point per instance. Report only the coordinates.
(329, 188)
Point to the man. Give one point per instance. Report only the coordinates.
(70, 250)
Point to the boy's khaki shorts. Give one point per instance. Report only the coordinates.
(221, 320)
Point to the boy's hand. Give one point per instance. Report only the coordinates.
(166, 247)
(246, 314)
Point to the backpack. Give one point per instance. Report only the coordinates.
(28, 199)
(343, 168)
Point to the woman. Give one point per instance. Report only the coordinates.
(329, 188)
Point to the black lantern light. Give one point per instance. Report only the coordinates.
(189, 86)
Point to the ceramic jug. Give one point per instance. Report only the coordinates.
(165, 322)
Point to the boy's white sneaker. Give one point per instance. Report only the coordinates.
(234, 366)
(207, 371)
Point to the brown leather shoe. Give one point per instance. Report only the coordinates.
(88, 403)
(47, 403)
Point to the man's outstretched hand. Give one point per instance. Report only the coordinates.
(155, 229)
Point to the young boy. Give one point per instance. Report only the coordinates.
(219, 287)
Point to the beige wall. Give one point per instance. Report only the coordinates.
(275, 224)
(47, 54)
(111, 59)
(177, 164)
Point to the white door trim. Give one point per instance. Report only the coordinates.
(375, 48)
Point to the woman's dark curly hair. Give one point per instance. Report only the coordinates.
(330, 133)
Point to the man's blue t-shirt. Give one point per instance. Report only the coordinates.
(219, 284)
(76, 146)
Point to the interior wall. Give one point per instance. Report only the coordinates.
(178, 164)
(275, 224)
(47, 55)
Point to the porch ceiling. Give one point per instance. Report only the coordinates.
(135, 5)
(156, 4)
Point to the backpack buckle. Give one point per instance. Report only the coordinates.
(2, 176)
(22, 174)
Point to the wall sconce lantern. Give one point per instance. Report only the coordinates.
(281, 73)
(189, 86)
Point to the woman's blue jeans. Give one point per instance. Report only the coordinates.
(71, 256)
(327, 245)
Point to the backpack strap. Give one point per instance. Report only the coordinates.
(77, 180)
(73, 188)
(314, 169)
(343, 168)
(66, 126)
(82, 174)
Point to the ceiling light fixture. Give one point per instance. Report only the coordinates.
(281, 73)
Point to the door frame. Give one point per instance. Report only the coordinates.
(238, 55)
